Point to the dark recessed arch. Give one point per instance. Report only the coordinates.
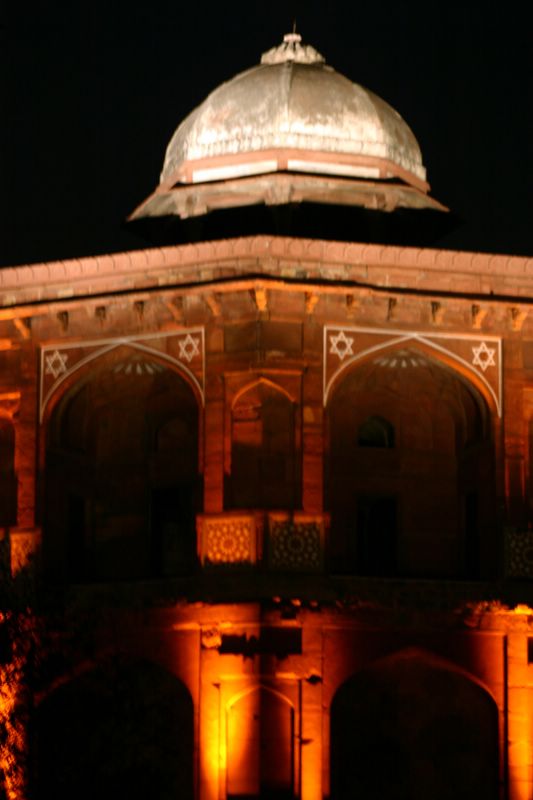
(122, 729)
(122, 472)
(426, 505)
(418, 345)
(84, 371)
(376, 431)
(265, 461)
(414, 726)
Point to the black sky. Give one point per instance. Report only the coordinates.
(92, 92)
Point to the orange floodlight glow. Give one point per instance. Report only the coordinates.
(311, 769)
(523, 610)
(13, 743)
(520, 749)
(243, 740)
(212, 748)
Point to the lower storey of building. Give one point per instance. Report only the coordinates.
(288, 700)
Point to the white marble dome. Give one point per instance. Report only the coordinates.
(292, 112)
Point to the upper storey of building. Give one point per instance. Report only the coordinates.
(290, 132)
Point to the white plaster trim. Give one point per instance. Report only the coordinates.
(107, 345)
(233, 171)
(405, 336)
(331, 168)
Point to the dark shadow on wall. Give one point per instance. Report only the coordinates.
(409, 471)
(122, 730)
(265, 460)
(8, 480)
(122, 483)
(412, 727)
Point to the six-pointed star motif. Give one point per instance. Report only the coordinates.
(56, 364)
(341, 345)
(483, 356)
(189, 347)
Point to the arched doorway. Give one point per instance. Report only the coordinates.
(260, 746)
(121, 730)
(265, 469)
(409, 470)
(412, 727)
(122, 481)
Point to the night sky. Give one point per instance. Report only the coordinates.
(92, 92)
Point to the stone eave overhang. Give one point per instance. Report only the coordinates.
(197, 200)
(295, 262)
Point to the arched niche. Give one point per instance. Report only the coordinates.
(376, 431)
(8, 481)
(422, 504)
(122, 483)
(265, 464)
(413, 726)
(260, 746)
(123, 729)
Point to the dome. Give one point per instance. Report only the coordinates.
(292, 112)
(290, 133)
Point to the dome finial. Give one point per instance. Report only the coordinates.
(292, 49)
(292, 38)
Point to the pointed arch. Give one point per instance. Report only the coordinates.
(122, 471)
(416, 654)
(426, 505)
(264, 465)
(262, 381)
(124, 727)
(376, 431)
(260, 744)
(437, 352)
(257, 688)
(94, 350)
(414, 724)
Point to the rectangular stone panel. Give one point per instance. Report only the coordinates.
(283, 336)
(295, 542)
(239, 338)
(228, 539)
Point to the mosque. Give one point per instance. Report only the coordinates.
(277, 468)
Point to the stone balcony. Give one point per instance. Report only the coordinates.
(295, 542)
(278, 557)
(259, 555)
(274, 540)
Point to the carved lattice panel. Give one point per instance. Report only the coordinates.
(295, 544)
(228, 539)
(519, 554)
